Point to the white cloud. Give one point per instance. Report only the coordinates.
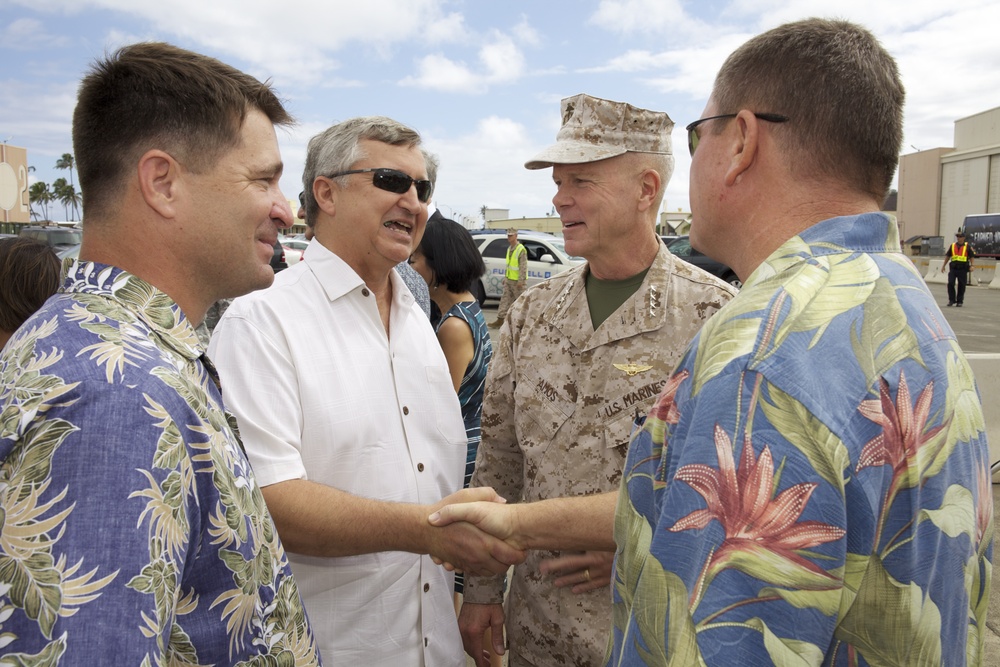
(437, 72)
(501, 61)
(646, 16)
(486, 166)
(292, 40)
(27, 34)
(450, 28)
(40, 111)
(525, 33)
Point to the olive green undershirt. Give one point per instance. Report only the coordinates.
(606, 296)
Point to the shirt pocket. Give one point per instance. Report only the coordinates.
(443, 403)
(543, 408)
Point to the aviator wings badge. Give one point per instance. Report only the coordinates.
(632, 370)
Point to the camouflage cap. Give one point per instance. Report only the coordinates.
(595, 129)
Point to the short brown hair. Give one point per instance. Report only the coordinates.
(29, 274)
(156, 95)
(840, 90)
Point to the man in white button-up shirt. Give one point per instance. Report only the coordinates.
(348, 414)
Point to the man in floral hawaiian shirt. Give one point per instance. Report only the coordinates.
(812, 486)
(133, 531)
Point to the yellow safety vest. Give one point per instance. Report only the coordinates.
(959, 254)
(513, 254)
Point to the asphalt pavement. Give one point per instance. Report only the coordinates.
(975, 323)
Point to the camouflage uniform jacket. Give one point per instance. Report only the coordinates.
(557, 414)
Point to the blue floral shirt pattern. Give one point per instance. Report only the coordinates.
(133, 531)
(812, 486)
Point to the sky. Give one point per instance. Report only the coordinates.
(480, 80)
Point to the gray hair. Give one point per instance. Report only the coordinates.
(661, 163)
(337, 148)
(433, 164)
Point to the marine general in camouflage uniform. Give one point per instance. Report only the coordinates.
(580, 356)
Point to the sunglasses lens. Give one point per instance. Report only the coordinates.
(391, 181)
(397, 182)
(423, 190)
(692, 140)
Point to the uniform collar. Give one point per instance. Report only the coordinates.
(643, 311)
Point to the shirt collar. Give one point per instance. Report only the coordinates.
(867, 233)
(337, 278)
(150, 305)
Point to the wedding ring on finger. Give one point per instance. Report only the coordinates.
(586, 574)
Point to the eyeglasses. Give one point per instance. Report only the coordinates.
(693, 137)
(393, 180)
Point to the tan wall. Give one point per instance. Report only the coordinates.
(993, 198)
(550, 224)
(977, 130)
(964, 189)
(14, 202)
(676, 220)
(919, 202)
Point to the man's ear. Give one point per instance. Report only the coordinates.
(649, 184)
(159, 175)
(326, 195)
(745, 145)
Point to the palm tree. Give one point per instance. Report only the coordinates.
(67, 161)
(59, 188)
(76, 201)
(67, 195)
(39, 193)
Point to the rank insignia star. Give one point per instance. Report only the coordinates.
(632, 370)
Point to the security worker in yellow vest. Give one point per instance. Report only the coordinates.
(959, 256)
(516, 278)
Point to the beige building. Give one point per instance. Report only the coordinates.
(550, 223)
(676, 222)
(14, 205)
(940, 186)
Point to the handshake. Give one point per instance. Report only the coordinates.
(479, 533)
(496, 535)
(475, 531)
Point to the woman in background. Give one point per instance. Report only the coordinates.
(29, 274)
(449, 263)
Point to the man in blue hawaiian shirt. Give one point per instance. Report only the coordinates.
(812, 486)
(133, 529)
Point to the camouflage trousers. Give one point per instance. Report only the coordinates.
(511, 290)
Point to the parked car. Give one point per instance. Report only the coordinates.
(680, 246)
(68, 251)
(62, 239)
(278, 262)
(294, 248)
(546, 257)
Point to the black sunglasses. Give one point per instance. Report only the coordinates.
(693, 137)
(393, 180)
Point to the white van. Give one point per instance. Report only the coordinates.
(546, 257)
